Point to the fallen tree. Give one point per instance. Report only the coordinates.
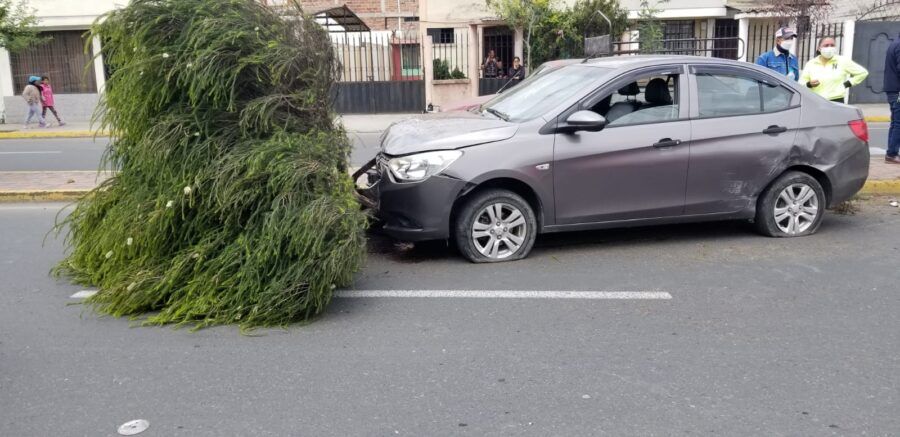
(233, 202)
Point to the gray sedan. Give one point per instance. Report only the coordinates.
(615, 142)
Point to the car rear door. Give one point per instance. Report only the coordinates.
(634, 168)
(743, 126)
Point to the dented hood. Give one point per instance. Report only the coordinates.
(443, 132)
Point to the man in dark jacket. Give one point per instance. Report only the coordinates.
(892, 89)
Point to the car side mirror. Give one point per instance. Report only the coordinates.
(585, 120)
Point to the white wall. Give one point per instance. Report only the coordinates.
(63, 14)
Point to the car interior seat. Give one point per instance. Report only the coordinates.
(620, 109)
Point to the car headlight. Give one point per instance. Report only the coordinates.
(421, 166)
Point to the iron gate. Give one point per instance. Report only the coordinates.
(870, 46)
(378, 73)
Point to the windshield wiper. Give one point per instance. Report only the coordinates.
(501, 115)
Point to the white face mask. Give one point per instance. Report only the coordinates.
(828, 52)
(788, 45)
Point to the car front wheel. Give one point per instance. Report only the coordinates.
(495, 225)
(793, 206)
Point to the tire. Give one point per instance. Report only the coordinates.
(517, 229)
(800, 202)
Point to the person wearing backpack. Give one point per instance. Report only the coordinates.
(32, 96)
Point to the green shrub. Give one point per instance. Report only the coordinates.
(441, 69)
(456, 74)
(233, 202)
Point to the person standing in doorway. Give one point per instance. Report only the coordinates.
(32, 96)
(491, 66)
(892, 89)
(48, 101)
(831, 75)
(780, 58)
(517, 71)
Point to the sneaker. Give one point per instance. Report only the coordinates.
(62, 123)
(892, 159)
(42, 124)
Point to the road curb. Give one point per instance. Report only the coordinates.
(890, 187)
(878, 118)
(37, 134)
(884, 186)
(42, 196)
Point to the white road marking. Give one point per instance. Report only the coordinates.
(33, 152)
(482, 294)
(83, 294)
(507, 294)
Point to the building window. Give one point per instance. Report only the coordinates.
(677, 35)
(442, 36)
(410, 19)
(62, 58)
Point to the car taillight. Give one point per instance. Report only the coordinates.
(860, 129)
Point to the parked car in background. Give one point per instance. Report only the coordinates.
(617, 142)
(476, 102)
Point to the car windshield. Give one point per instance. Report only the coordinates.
(540, 93)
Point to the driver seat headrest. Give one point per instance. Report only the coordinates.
(631, 89)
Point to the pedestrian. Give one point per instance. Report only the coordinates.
(517, 71)
(831, 75)
(32, 96)
(892, 89)
(780, 59)
(491, 66)
(48, 101)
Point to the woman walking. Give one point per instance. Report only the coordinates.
(830, 75)
(48, 101)
(32, 96)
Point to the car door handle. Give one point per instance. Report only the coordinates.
(773, 129)
(666, 142)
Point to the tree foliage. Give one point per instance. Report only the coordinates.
(232, 203)
(17, 22)
(550, 32)
(562, 32)
(650, 27)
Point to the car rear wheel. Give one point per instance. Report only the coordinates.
(793, 206)
(495, 226)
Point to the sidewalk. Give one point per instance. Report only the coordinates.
(62, 185)
(353, 123)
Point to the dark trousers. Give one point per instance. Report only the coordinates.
(53, 110)
(894, 130)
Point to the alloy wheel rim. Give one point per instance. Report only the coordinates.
(796, 209)
(499, 230)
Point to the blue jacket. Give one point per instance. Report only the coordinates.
(892, 68)
(779, 62)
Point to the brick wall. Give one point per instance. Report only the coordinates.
(377, 14)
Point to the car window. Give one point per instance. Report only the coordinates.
(651, 98)
(723, 95)
(540, 93)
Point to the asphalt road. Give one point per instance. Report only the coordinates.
(85, 153)
(761, 337)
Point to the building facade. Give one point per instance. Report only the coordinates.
(77, 75)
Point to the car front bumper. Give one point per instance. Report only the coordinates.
(417, 211)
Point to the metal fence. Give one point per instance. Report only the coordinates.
(450, 53)
(369, 56)
(62, 58)
(379, 73)
(731, 47)
(761, 38)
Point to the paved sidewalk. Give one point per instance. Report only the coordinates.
(24, 185)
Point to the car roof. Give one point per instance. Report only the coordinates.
(616, 62)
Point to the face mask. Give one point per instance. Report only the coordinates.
(828, 52)
(788, 45)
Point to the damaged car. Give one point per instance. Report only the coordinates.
(613, 142)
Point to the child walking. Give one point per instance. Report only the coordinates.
(32, 96)
(47, 94)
